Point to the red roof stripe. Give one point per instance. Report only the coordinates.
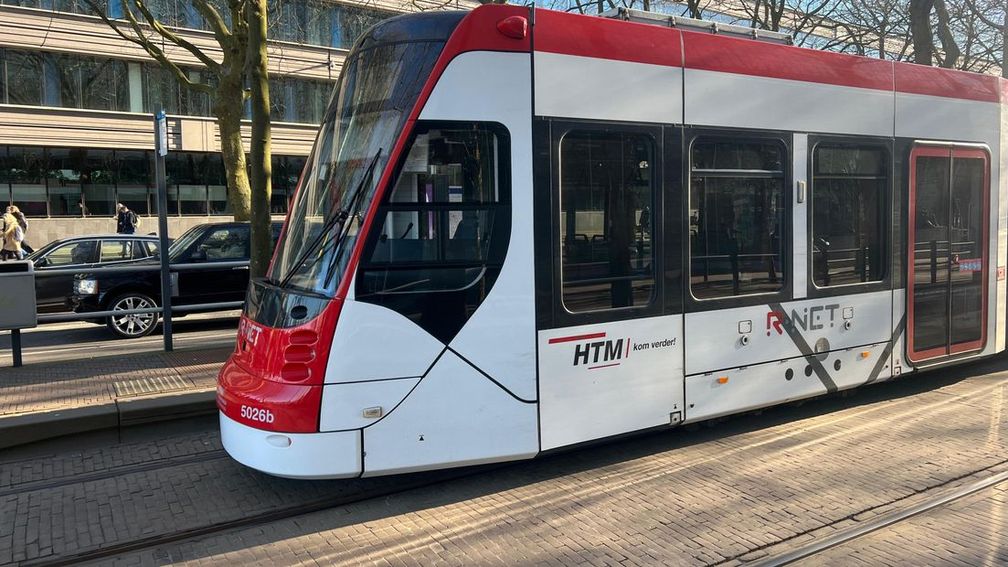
(924, 80)
(603, 38)
(747, 57)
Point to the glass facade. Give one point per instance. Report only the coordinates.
(81, 182)
(97, 83)
(313, 22)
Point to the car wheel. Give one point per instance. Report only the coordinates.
(135, 325)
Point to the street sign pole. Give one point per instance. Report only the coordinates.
(161, 147)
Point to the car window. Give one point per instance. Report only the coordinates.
(116, 250)
(85, 252)
(151, 247)
(226, 244)
(139, 249)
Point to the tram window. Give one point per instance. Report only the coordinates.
(445, 225)
(737, 205)
(606, 199)
(848, 199)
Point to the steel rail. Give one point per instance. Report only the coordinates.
(91, 476)
(420, 480)
(882, 522)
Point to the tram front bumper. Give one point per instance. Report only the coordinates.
(293, 455)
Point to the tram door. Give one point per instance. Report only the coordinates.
(948, 236)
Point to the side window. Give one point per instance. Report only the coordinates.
(226, 244)
(606, 204)
(849, 201)
(73, 253)
(737, 205)
(442, 232)
(116, 250)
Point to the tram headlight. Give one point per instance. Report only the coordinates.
(86, 287)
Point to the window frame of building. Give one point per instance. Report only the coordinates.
(886, 184)
(784, 269)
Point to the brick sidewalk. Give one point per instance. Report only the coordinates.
(64, 385)
(62, 394)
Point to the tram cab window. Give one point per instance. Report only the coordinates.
(736, 219)
(606, 204)
(444, 226)
(848, 198)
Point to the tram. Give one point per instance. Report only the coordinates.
(522, 230)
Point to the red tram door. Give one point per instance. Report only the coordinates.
(948, 256)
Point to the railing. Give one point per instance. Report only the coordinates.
(191, 267)
(935, 253)
(736, 261)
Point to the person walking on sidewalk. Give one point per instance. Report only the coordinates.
(126, 220)
(24, 227)
(13, 234)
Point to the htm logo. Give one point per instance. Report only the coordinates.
(601, 353)
(588, 353)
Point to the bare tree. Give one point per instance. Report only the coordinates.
(242, 40)
(994, 15)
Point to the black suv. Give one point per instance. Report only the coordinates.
(206, 243)
(52, 292)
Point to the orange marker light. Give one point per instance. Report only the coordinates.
(865, 354)
(722, 380)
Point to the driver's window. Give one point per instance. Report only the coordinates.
(444, 227)
(73, 253)
(444, 211)
(225, 245)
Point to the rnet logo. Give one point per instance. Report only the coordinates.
(775, 321)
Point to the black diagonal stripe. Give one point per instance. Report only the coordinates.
(803, 347)
(881, 362)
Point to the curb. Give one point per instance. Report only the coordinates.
(39, 426)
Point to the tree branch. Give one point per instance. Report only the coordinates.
(214, 20)
(172, 36)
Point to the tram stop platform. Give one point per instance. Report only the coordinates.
(43, 401)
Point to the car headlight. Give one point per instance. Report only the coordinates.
(86, 287)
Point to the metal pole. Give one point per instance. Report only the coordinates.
(161, 145)
(16, 347)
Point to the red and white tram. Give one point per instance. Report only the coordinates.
(522, 230)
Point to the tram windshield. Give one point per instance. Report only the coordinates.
(379, 85)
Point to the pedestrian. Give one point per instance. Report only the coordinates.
(12, 209)
(13, 234)
(126, 220)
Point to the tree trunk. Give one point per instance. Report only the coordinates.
(920, 31)
(258, 76)
(232, 149)
(950, 49)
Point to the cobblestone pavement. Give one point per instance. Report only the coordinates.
(711, 497)
(718, 495)
(89, 382)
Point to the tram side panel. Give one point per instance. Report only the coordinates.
(477, 402)
(610, 359)
(955, 110)
(751, 344)
(1001, 191)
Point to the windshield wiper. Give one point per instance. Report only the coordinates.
(339, 218)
